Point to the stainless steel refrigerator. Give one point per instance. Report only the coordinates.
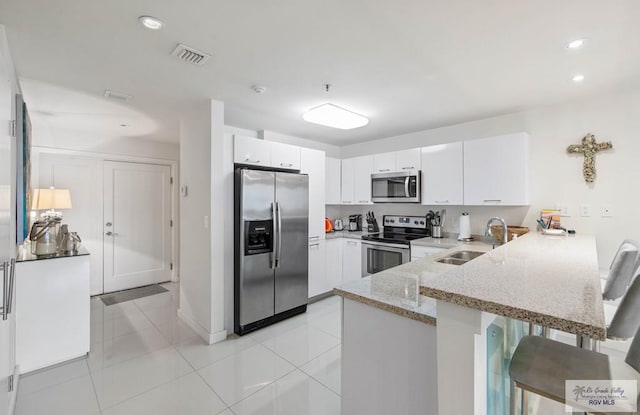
(271, 237)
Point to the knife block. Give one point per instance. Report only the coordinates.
(372, 226)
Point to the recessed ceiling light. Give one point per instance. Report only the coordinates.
(333, 116)
(578, 77)
(576, 44)
(151, 22)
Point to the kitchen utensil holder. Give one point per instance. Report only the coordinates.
(436, 231)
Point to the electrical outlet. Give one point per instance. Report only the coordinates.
(563, 208)
(585, 210)
(607, 211)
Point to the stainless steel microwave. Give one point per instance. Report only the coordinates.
(399, 187)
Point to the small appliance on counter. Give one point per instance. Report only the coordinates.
(337, 225)
(465, 228)
(328, 225)
(355, 223)
(372, 223)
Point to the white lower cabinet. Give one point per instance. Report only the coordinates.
(419, 252)
(333, 264)
(317, 279)
(351, 259)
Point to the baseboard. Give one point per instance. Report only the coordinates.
(210, 338)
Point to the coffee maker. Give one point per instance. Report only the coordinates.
(355, 223)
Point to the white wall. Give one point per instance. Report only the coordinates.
(125, 146)
(201, 249)
(555, 175)
(330, 150)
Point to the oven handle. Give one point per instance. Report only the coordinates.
(387, 245)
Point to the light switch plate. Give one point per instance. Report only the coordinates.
(563, 208)
(607, 211)
(585, 210)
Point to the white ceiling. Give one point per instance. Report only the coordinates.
(407, 65)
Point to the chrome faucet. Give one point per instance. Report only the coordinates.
(487, 231)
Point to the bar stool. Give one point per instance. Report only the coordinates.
(541, 366)
(622, 269)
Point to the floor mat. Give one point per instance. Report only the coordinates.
(132, 294)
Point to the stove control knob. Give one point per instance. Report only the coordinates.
(415, 222)
(421, 222)
(393, 221)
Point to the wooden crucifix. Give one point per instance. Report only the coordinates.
(589, 148)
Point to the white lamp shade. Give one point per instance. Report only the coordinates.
(51, 199)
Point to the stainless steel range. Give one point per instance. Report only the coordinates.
(392, 246)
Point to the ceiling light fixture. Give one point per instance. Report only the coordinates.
(151, 22)
(576, 44)
(333, 116)
(578, 77)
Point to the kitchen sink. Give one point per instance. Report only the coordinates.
(460, 257)
(452, 261)
(466, 255)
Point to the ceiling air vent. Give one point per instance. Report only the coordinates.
(118, 96)
(190, 55)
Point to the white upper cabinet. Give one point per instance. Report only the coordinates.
(408, 159)
(442, 174)
(285, 156)
(348, 181)
(333, 182)
(312, 162)
(496, 170)
(249, 150)
(384, 162)
(362, 189)
(397, 161)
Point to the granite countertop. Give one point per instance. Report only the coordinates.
(397, 289)
(345, 234)
(552, 281)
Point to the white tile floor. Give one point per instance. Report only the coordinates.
(144, 360)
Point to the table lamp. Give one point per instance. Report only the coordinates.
(51, 199)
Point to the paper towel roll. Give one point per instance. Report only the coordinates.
(465, 226)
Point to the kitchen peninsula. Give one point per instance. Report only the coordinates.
(415, 336)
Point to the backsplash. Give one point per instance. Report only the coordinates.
(478, 214)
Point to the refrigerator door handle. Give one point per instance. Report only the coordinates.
(279, 246)
(274, 233)
(5, 288)
(12, 277)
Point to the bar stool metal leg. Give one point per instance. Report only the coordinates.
(524, 401)
(513, 398)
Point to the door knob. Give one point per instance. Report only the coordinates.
(109, 233)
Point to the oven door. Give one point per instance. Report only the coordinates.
(396, 187)
(379, 256)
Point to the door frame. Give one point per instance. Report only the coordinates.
(102, 157)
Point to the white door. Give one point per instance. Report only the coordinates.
(137, 227)
(362, 188)
(313, 164)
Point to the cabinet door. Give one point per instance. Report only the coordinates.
(317, 276)
(312, 163)
(384, 162)
(442, 174)
(285, 156)
(496, 171)
(362, 190)
(333, 262)
(252, 151)
(408, 159)
(348, 181)
(351, 260)
(333, 181)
